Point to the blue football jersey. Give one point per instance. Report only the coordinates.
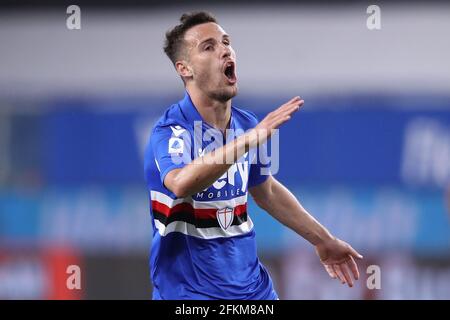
(203, 245)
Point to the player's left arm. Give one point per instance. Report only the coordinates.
(337, 256)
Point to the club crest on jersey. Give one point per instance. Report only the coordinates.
(225, 216)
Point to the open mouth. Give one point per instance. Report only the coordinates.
(230, 72)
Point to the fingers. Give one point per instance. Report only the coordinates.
(279, 121)
(344, 270)
(342, 274)
(330, 271)
(354, 253)
(341, 261)
(296, 98)
(338, 272)
(283, 114)
(351, 264)
(294, 102)
(276, 118)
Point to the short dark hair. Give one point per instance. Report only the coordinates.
(175, 37)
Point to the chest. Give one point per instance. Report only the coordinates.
(233, 183)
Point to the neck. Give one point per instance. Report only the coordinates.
(214, 112)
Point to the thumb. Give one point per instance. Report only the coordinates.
(354, 253)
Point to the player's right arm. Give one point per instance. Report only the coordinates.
(204, 171)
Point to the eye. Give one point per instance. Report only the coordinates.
(226, 42)
(208, 47)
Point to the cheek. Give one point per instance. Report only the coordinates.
(205, 70)
(202, 72)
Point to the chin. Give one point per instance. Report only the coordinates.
(233, 91)
(225, 94)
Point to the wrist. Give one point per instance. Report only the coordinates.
(251, 139)
(323, 237)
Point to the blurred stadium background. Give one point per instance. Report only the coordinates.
(369, 155)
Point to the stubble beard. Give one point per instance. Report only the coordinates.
(222, 92)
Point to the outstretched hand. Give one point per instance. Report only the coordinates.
(338, 258)
(274, 120)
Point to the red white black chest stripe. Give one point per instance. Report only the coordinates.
(203, 219)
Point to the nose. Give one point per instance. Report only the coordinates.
(226, 51)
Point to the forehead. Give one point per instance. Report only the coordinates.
(203, 31)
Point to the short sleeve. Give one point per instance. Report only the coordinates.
(171, 148)
(260, 160)
(259, 165)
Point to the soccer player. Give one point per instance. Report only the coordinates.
(200, 165)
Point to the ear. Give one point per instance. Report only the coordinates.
(183, 69)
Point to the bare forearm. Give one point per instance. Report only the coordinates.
(204, 171)
(283, 206)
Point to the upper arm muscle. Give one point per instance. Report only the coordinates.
(261, 192)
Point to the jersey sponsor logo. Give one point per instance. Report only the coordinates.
(229, 176)
(233, 183)
(225, 217)
(176, 145)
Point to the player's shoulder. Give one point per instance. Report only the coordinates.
(245, 116)
(171, 123)
(172, 117)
